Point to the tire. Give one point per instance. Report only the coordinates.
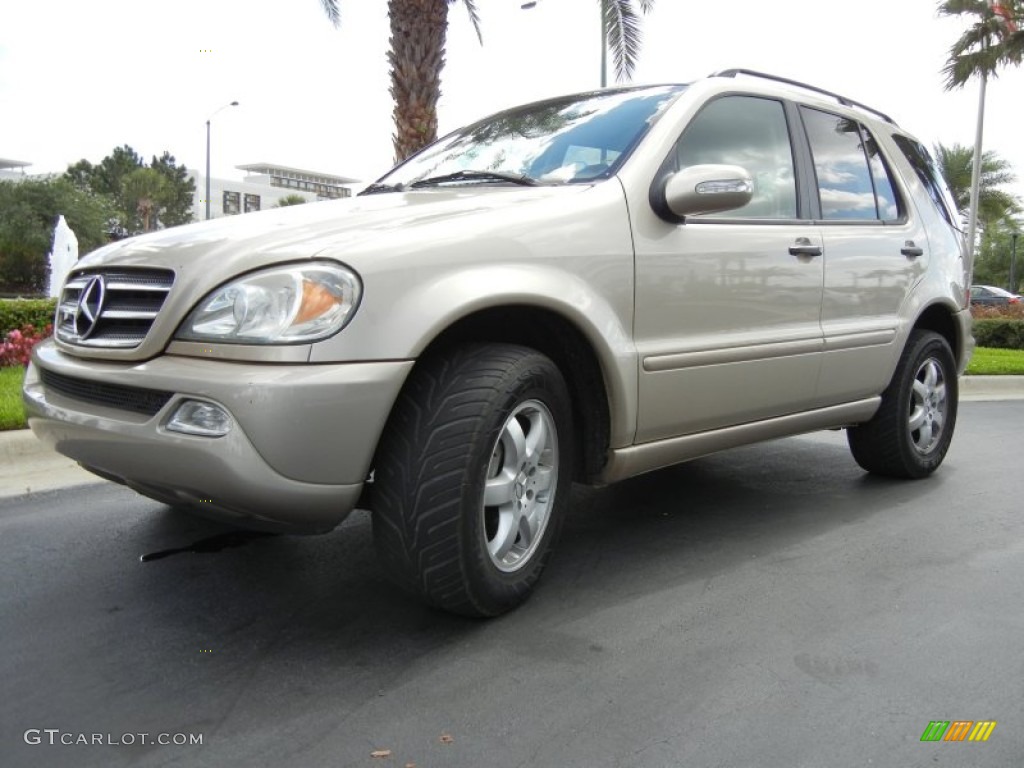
(910, 433)
(466, 504)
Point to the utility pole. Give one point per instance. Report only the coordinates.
(1013, 261)
(232, 104)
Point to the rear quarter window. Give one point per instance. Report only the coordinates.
(928, 172)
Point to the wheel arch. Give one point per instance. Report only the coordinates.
(571, 351)
(567, 346)
(941, 319)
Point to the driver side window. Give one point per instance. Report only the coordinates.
(750, 132)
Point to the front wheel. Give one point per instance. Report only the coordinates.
(472, 477)
(911, 432)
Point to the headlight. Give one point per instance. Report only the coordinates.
(284, 305)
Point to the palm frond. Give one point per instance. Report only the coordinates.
(474, 16)
(986, 45)
(961, 67)
(957, 7)
(332, 10)
(622, 33)
(1012, 47)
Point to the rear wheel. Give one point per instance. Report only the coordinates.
(473, 476)
(911, 432)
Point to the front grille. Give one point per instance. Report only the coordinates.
(134, 399)
(111, 308)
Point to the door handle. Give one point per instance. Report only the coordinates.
(803, 247)
(910, 250)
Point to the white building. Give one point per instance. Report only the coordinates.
(262, 188)
(12, 170)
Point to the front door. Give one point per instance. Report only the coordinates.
(728, 306)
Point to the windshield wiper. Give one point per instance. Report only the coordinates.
(431, 181)
(374, 189)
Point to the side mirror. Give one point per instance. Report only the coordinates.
(702, 189)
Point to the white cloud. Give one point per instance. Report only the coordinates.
(838, 200)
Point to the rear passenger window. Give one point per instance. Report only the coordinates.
(750, 132)
(845, 184)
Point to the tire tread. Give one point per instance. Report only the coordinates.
(881, 445)
(421, 470)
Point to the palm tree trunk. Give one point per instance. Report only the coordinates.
(418, 31)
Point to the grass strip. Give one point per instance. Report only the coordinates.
(987, 361)
(12, 412)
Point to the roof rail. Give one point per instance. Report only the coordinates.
(841, 99)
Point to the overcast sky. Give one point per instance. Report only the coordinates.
(79, 78)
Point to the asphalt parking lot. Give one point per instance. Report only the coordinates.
(770, 606)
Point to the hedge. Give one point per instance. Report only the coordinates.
(999, 333)
(15, 314)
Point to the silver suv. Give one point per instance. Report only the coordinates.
(581, 289)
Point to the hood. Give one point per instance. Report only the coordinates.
(253, 240)
(357, 231)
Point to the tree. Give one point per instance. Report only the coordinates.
(418, 33)
(166, 192)
(287, 200)
(28, 213)
(993, 264)
(994, 40)
(994, 204)
(996, 207)
(145, 190)
(179, 192)
(107, 178)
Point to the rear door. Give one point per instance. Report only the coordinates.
(876, 250)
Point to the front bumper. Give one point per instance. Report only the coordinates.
(299, 449)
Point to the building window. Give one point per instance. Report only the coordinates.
(232, 203)
(252, 203)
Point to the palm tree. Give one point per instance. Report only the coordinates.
(994, 204)
(418, 33)
(145, 190)
(996, 39)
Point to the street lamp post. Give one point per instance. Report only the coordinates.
(232, 104)
(1013, 262)
(604, 48)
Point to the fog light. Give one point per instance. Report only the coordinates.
(194, 417)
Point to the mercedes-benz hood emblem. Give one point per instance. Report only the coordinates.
(90, 305)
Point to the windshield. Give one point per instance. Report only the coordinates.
(560, 141)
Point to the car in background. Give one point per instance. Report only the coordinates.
(990, 295)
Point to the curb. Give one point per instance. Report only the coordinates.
(992, 388)
(19, 443)
(27, 465)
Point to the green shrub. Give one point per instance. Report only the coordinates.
(999, 333)
(15, 314)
